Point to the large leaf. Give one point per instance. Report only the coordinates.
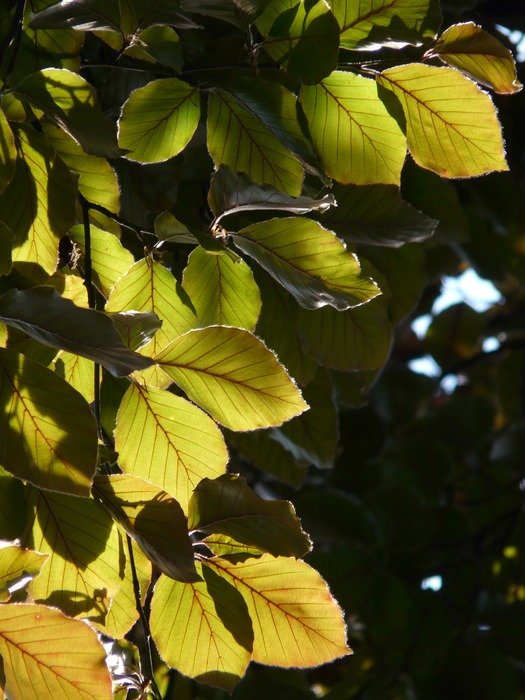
(6, 243)
(71, 103)
(228, 506)
(451, 125)
(203, 629)
(153, 518)
(49, 318)
(168, 441)
(222, 290)
(233, 376)
(37, 645)
(17, 565)
(309, 261)
(86, 559)
(48, 432)
(244, 143)
(8, 153)
(476, 52)
(39, 203)
(78, 372)
(302, 36)
(369, 23)
(13, 511)
(357, 139)
(296, 622)
(158, 120)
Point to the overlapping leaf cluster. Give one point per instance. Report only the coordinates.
(202, 199)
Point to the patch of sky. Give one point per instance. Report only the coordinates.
(515, 37)
(432, 583)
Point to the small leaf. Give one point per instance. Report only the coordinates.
(202, 629)
(8, 153)
(36, 643)
(451, 125)
(222, 290)
(168, 441)
(309, 261)
(222, 544)
(158, 120)
(16, 565)
(480, 55)
(48, 432)
(135, 328)
(233, 376)
(76, 371)
(296, 622)
(357, 139)
(153, 518)
(228, 506)
(49, 318)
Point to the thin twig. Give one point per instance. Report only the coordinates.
(138, 230)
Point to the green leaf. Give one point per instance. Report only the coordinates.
(224, 10)
(452, 127)
(71, 103)
(76, 371)
(135, 328)
(301, 36)
(158, 120)
(222, 544)
(85, 563)
(244, 143)
(222, 290)
(13, 511)
(357, 139)
(480, 55)
(370, 23)
(376, 215)
(202, 629)
(233, 376)
(162, 43)
(296, 622)
(17, 564)
(39, 203)
(48, 432)
(356, 339)
(53, 320)
(168, 441)
(153, 518)
(36, 644)
(228, 506)
(8, 153)
(309, 261)
(82, 15)
(6, 244)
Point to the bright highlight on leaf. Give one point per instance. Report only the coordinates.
(451, 125)
(357, 139)
(46, 654)
(309, 261)
(17, 565)
(233, 376)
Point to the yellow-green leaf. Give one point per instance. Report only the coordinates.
(86, 559)
(452, 126)
(244, 143)
(7, 152)
(222, 290)
(358, 140)
(479, 54)
(228, 506)
(202, 629)
(158, 120)
(153, 518)
(48, 655)
(17, 564)
(78, 372)
(48, 432)
(296, 622)
(168, 441)
(309, 261)
(232, 375)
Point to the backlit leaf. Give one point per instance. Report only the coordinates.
(244, 143)
(48, 432)
(228, 506)
(202, 629)
(168, 441)
(53, 320)
(78, 372)
(451, 125)
(222, 290)
(7, 151)
(153, 518)
(233, 376)
(36, 644)
(86, 558)
(296, 622)
(309, 261)
(357, 139)
(158, 120)
(17, 564)
(476, 52)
